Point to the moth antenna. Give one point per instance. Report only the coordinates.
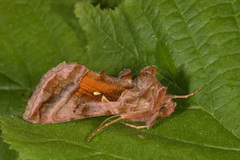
(99, 129)
(184, 96)
(108, 119)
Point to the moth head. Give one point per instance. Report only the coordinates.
(167, 107)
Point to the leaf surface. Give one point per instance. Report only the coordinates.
(34, 36)
(193, 43)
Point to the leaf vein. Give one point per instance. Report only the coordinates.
(235, 16)
(21, 58)
(198, 53)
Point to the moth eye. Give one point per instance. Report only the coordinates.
(163, 109)
(163, 104)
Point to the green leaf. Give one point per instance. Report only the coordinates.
(34, 37)
(105, 3)
(193, 43)
(5, 153)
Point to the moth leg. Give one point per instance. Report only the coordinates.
(151, 121)
(133, 126)
(108, 119)
(105, 125)
(184, 96)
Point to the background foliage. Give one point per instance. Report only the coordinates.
(193, 43)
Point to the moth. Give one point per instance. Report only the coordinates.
(71, 91)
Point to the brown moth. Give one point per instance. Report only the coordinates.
(71, 91)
